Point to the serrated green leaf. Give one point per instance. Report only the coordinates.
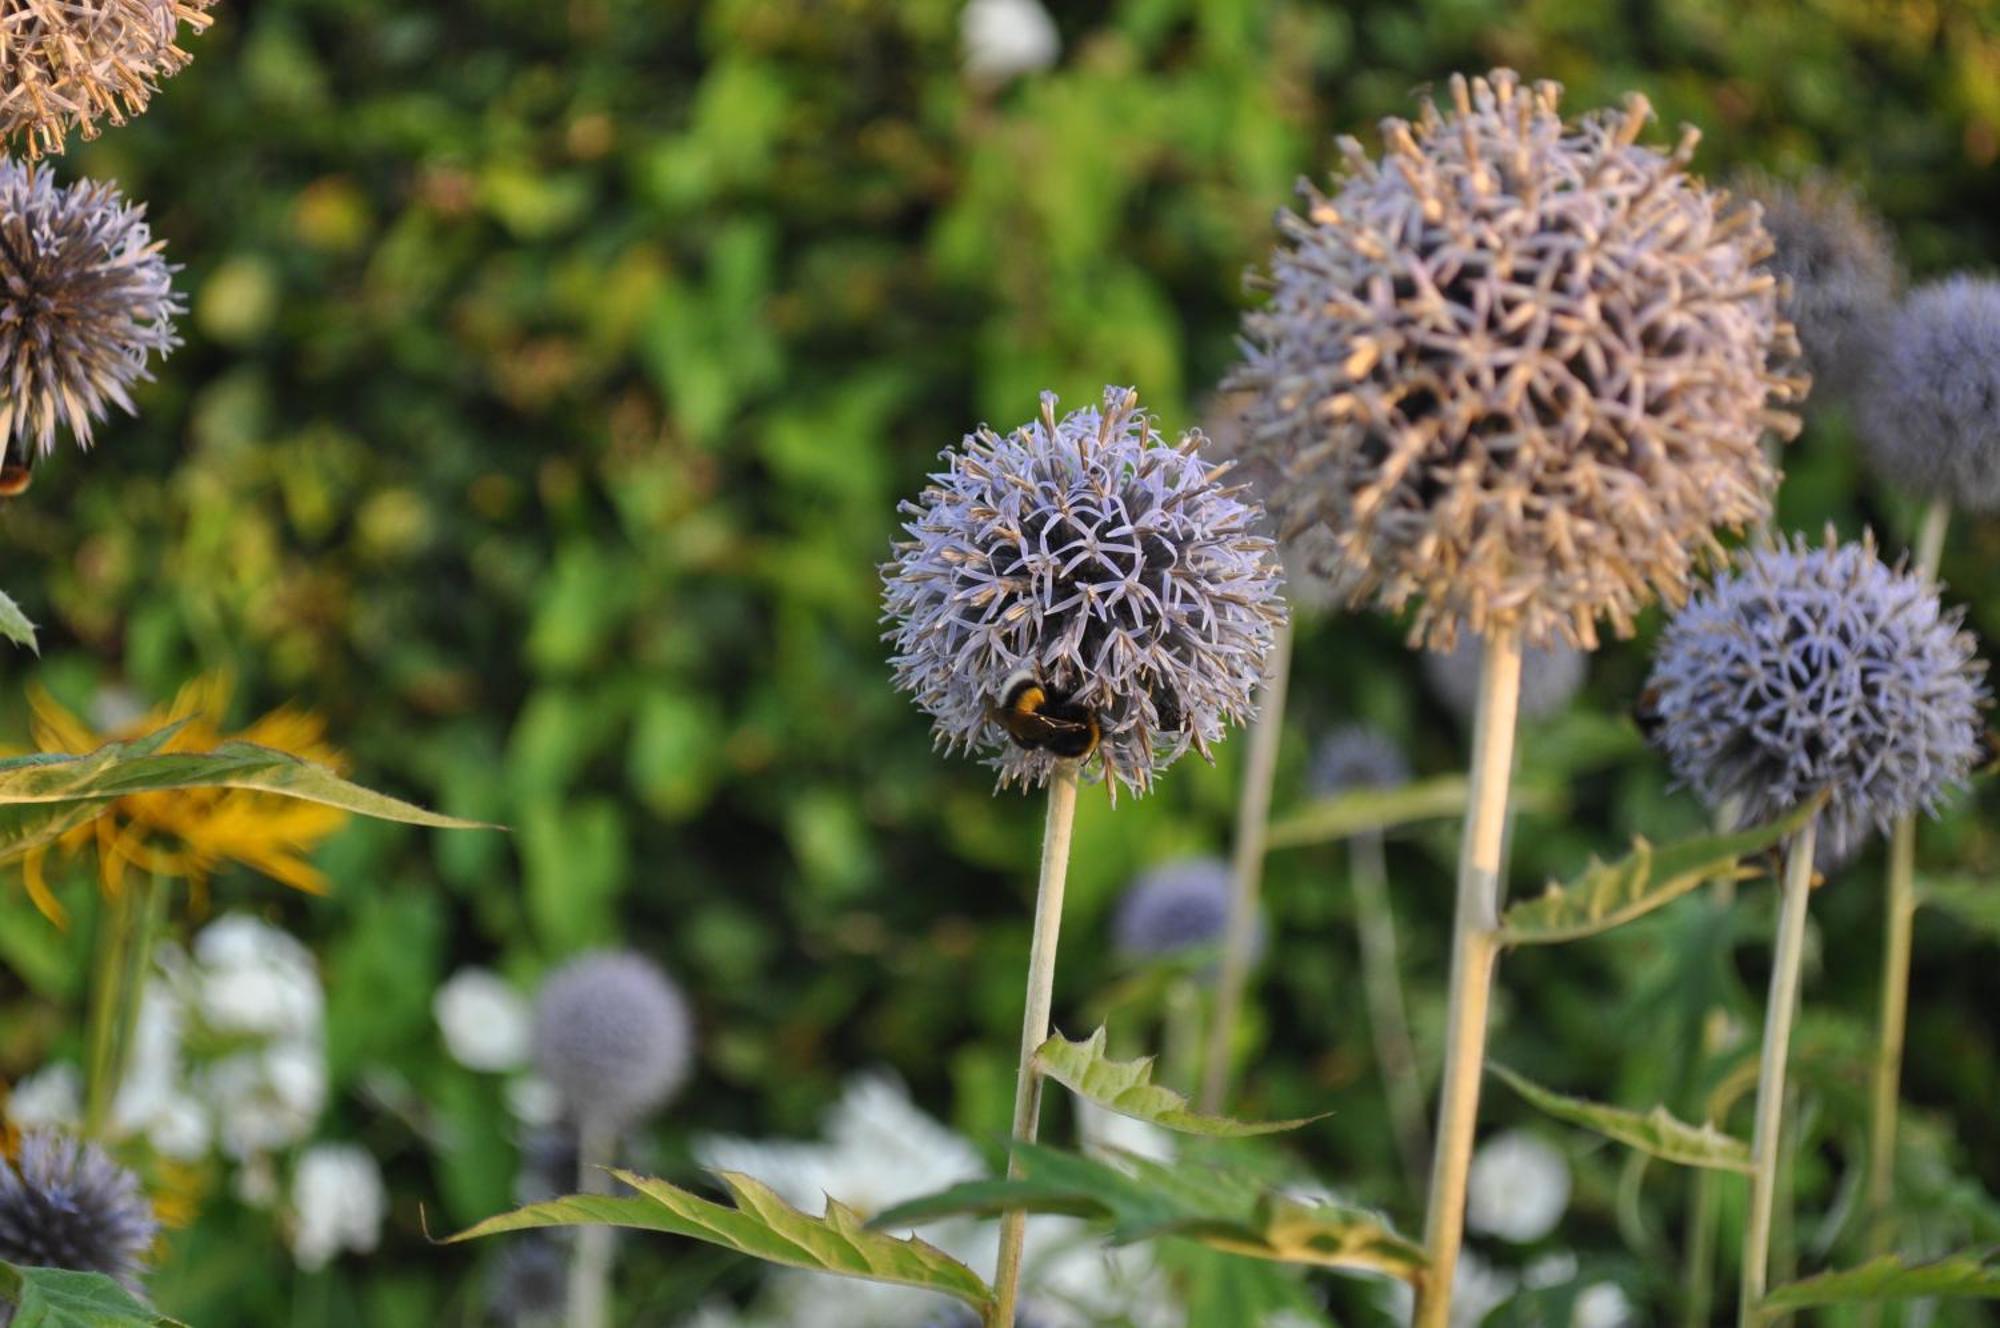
(1657, 1132)
(1607, 895)
(59, 1298)
(14, 624)
(1127, 1088)
(1973, 902)
(25, 826)
(761, 1225)
(1974, 1273)
(1140, 1199)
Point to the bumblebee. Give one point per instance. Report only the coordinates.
(1039, 719)
(1646, 714)
(16, 476)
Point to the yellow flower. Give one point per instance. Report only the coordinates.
(188, 833)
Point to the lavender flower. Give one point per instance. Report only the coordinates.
(1810, 669)
(1118, 570)
(1840, 271)
(1358, 756)
(1519, 370)
(614, 1036)
(85, 299)
(1551, 676)
(65, 65)
(1174, 908)
(66, 1204)
(1930, 410)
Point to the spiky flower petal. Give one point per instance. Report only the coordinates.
(66, 64)
(66, 1204)
(613, 1034)
(1811, 669)
(1930, 410)
(1520, 369)
(1358, 756)
(1840, 271)
(1550, 676)
(85, 301)
(1120, 571)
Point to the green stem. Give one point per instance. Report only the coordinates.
(1475, 949)
(1698, 1276)
(1383, 988)
(109, 969)
(591, 1257)
(1180, 1051)
(1253, 817)
(1056, 836)
(1779, 1008)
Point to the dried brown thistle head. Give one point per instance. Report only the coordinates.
(66, 64)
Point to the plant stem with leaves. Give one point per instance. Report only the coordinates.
(1253, 819)
(1056, 836)
(1779, 1009)
(1475, 949)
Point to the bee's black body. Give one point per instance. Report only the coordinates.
(1040, 719)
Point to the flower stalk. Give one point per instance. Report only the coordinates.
(1056, 836)
(1475, 948)
(590, 1262)
(1253, 820)
(1382, 987)
(126, 932)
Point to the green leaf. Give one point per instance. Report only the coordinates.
(14, 624)
(1657, 1132)
(1359, 810)
(1141, 1199)
(1608, 895)
(761, 1225)
(1972, 901)
(25, 826)
(1973, 1273)
(59, 1298)
(1127, 1088)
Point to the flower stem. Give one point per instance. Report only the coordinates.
(591, 1258)
(1253, 816)
(1035, 1024)
(1779, 1007)
(1475, 947)
(126, 929)
(1698, 1276)
(1389, 1022)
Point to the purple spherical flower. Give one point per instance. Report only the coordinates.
(1174, 908)
(1930, 409)
(613, 1034)
(1358, 756)
(66, 1204)
(1550, 676)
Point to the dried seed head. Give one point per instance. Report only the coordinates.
(1551, 676)
(66, 1204)
(613, 1034)
(66, 64)
(1840, 271)
(1121, 572)
(1930, 410)
(1359, 756)
(1520, 370)
(85, 299)
(1809, 669)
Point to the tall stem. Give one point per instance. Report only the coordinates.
(1253, 815)
(1035, 1024)
(590, 1260)
(1698, 1276)
(1475, 946)
(109, 969)
(1900, 909)
(1779, 1007)
(1383, 987)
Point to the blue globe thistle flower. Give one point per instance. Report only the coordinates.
(1118, 571)
(1930, 410)
(66, 1204)
(1551, 676)
(85, 301)
(1810, 669)
(1173, 908)
(1358, 756)
(614, 1036)
(1520, 369)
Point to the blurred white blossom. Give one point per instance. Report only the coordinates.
(338, 1202)
(1006, 38)
(1477, 1290)
(1104, 1131)
(487, 1024)
(1518, 1188)
(254, 978)
(49, 1099)
(1603, 1305)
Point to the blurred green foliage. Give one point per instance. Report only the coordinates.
(553, 372)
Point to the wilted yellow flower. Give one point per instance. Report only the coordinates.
(188, 833)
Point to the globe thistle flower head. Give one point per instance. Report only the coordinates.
(1839, 271)
(1930, 410)
(1520, 369)
(1818, 669)
(1174, 908)
(1358, 756)
(1315, 580)
(1118, 571)
(613, 1034)
(1551, 676)
(67, 64)
(66, 1204)
(85, 301)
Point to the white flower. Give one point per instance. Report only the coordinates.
(1476, 1291)
(487, 1024)
(180, 1129)
(337, 1204)
(1006, 38)
(1074, 1281)
(49, 1099)
(151, 1084)
(254, 978)
(265, 1100)
(1518, 1188)
(1108, 1132)
(1603, 1305)
(533, 1100)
